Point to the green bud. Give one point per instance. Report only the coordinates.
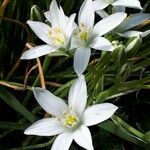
(125, 71)
(118, 54)
(36, 14)
(132, 45)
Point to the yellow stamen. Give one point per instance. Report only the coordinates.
(83, 32)
(84, 36)
(56, 36)
(70, 120)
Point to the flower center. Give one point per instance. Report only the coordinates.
(84, 36)
(56, 36)
(70, 119)
(83, 33)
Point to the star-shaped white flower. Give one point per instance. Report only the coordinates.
(87, 36)
(55, 36)
(69, 121)
(101, 4)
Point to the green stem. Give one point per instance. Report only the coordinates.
(45, 67)
(35, 146)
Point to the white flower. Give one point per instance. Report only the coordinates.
(88, 36)
(101, 4)
(57, 36)
(70, 122)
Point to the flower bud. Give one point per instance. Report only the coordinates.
(118, 54)
(132, 45)
(36, 14)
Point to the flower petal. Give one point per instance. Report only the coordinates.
(78, 95)
(86, 14)
(82, 137)
(132, 21)
(47, 15)
(145, 33)
(49, 102)
(135, 20)
(63, 141)
(109, 23)
(116, 9)
(130, 34)
(70, 26)
(128, 3)
(102, 13)
(100, 43)
(41, 30)
(98, 113)
(45, 127)
(135, 33)
(81, 59)
(100, 4)
(37, 51)
(54, 14)
(75, 43)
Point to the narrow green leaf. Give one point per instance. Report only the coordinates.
(10, 100)
(12, 125)
(117, 130)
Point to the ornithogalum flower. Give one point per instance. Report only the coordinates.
(55, 36)
(87, 36)
(69, 121)
(101, 4)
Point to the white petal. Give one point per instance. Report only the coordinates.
(128, 3)
(49, 102)
(135, 33)
(81, 59)
(132, 21)
(47, 15)
(102, 13)
(131, 34)
(78, 95)
(135, 20)
(101, 43)
(75, 43)
(98, 113)
(109, 23)
(37, 51)
(63, 141)
(41, 30)
(86, 14)
(145, 33)
(54, 14)
(82, 137)
(70, 26)
(45, 127)
(116, 9)
(101, 4)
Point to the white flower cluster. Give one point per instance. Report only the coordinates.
(71, 121)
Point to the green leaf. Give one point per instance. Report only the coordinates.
(147, 136)
(10, 100)
(12, 125)
(117, 130)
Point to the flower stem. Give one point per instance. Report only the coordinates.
(42, 80)
(35, 146)
(36, 82)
